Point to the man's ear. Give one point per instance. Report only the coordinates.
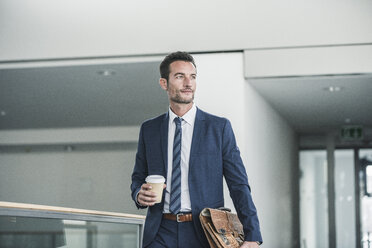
(163, 83)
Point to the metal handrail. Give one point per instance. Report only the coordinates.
(53, 212)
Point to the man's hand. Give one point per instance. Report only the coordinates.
(146, 197)
(249, 244)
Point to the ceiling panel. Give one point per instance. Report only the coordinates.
(309, 107)
(80, 96)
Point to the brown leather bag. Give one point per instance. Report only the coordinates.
(222, 228)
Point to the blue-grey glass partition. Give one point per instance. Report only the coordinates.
(40, 228)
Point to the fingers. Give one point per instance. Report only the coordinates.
(145, 196)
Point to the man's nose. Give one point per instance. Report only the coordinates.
(187, 81)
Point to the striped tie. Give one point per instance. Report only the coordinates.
(175, 196)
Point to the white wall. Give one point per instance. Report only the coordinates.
(95, 175)
(97, 180)
(87, 135)
(267, 142)
(272, 157)
(332, 60)
(44, 29)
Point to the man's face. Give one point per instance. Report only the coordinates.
(181, 83)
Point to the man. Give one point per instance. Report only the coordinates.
(193, 150)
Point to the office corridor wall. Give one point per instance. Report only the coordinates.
(267, 143)
(97, 180)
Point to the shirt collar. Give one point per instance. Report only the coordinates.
(189, 117)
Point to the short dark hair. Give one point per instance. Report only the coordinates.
(170, 58)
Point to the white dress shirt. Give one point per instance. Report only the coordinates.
(187, 126)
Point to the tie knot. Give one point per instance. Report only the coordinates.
(178, 120)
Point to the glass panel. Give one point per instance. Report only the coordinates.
(313, 199)
(369, 179)
(32, 232)
(345, 198)
(366, 204)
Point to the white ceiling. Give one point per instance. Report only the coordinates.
(310, 108)
(79, 96)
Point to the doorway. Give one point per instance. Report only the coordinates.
(352, 198)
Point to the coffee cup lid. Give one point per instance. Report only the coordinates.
(155, 179)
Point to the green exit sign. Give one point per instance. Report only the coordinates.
(352, 133)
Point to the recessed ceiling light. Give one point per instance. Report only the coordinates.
(333, 89)
(2, 113)
(107, 72)
(69, 148)
(347, 120)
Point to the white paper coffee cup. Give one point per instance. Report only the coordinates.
(157, 184)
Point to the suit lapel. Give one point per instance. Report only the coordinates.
(199, 127)
(164, 141)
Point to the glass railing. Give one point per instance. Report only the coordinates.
(38, 226)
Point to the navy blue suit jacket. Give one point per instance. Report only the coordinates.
(213, 154)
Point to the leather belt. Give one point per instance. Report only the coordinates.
(181, 217)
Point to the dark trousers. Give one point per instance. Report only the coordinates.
(172, 234)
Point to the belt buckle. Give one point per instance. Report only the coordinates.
(178, 217)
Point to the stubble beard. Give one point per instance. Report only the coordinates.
(178, 99)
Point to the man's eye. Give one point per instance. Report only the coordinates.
(179, 76)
